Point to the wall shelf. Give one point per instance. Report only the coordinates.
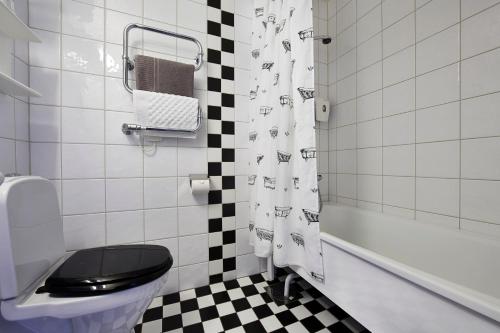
(12, 27)
(12, 87)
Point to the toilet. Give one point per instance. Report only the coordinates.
(44, 289)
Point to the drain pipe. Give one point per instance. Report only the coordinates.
(270, 268)
(288, 282)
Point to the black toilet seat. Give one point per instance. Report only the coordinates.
(108, 269)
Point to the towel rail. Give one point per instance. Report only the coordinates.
(128, 129)
(129, 65)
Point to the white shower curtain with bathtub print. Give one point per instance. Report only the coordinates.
(283, 177)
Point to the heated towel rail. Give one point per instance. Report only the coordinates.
(128, 65)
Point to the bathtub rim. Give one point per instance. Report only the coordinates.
(483, 304)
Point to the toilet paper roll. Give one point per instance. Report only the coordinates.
(200, 186)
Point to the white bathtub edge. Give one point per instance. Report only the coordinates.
(461, 295)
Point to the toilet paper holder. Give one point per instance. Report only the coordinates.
(197, 177)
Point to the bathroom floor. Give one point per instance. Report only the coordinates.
(242, 305)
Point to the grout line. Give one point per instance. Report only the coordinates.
(382, 102)
(415, 113)
(460, 118)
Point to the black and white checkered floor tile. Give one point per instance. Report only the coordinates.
(243, 305)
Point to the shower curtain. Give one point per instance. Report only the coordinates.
(283, 175)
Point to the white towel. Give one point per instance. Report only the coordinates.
(166, 111)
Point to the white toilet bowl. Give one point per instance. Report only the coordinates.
(32, 252)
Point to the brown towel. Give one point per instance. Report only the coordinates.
(164, 76)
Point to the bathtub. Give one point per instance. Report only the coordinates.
(397, 275)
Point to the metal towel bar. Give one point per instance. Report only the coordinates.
(129, 65)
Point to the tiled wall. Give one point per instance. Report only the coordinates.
(228, 74)
(320, 11)
(111, 190)
(14, 112)
(416, 125)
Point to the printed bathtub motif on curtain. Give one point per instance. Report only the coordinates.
(283, 178)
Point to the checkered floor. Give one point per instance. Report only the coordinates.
(243, 305)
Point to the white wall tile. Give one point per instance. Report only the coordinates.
(82, 90)
(369, 133)
(161, 10)
(369, 24)
(399, 129)
(438, 195)
(7, 148)
(22, 120)
(242, 29)
(84, 231)
(438, 87)
(83, 196)
(124, 227)
(399, 160)
(399, 67)
(123, 161)
(480, 116)
(346, 161)
(192, 15)
(399, 35)
(46, 160)
(484, 24)
(81, 125)
(160, 223)
(438, 123)
(399, 98)
(193, 220)
(369, 106)
(346, 185)
(130, 6)
(346, 137)
(44, 123)
(370, 51)
(369, 188)
(115, 22)
(193, 249)
(82, 20)
(243, 242)
(480, 158)
(192, 161)
(394, 10)
(82, 55)
(74, 166)
(439, 50)
(399, 191)
(436, 16)
(124, 194)
(369, 161)
(470, 7)
(480, 74)
(480, 200)
(438, 159)
(45, 14)
(160, 192)
(369, 79)
(193, 276)
(161, 163)
(51, 93)
(46, 53)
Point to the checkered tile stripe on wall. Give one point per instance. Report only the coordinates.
(221, 198)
